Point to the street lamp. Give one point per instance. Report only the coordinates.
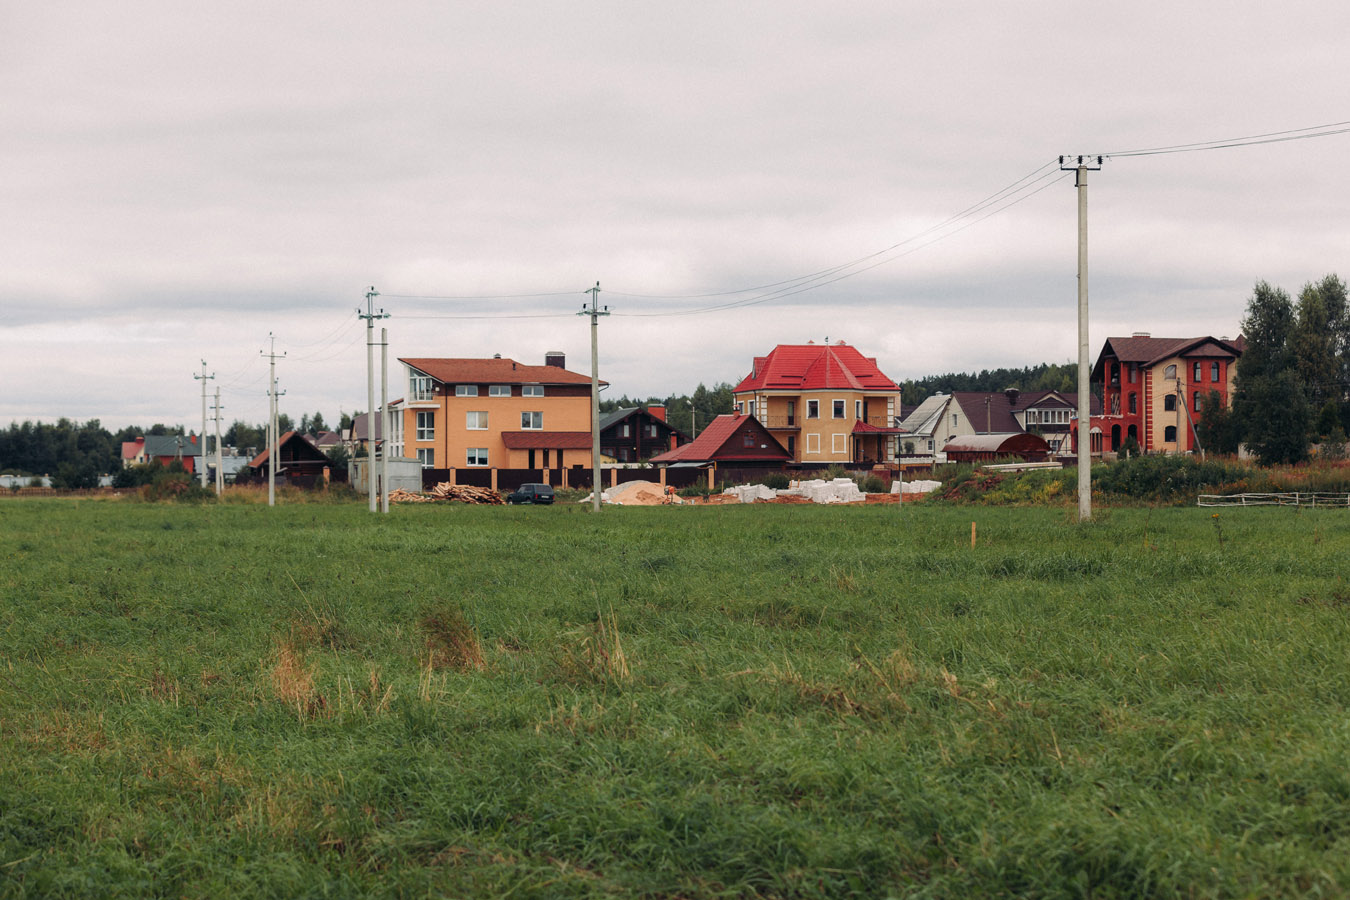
(693, 422)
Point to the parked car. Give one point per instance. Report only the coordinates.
(531, 493)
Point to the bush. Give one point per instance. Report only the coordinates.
(776, 480)
(872, 484)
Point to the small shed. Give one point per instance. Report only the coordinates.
(989, 447)
(299, 462)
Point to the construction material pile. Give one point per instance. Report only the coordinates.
(915, 487)
(447, 491)
(637, 493)
(398, 495)
(466, 494)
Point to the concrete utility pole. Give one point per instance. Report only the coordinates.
(370, 316)
(1080, 168)
(273, 439)
(384, 420)
(595, 312)
(220, 454)
(201, 438)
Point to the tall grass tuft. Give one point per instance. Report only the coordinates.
(451, 642)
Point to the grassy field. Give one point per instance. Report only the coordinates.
(310, 701)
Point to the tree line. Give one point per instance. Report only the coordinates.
(1290, 390)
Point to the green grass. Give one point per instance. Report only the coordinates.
(715, 702)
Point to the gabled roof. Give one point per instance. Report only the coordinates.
(927, 415)
(303, 450)
(988, 412)
(361, 427)
(131, 449)
(1044, 400)
(492, 371)
(815, 367)
(617, 415)
(172, 445)
(708, 445)
(546, 440)
(1146, 350)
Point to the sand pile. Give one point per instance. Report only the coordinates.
(638, 493)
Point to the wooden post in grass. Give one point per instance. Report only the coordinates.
(972, 535)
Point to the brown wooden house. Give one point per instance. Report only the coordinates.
(299, 462)
(731, 440)
(633, 433)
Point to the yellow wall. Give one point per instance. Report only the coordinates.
(833, 438)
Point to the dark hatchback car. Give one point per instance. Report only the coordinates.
(531, 493)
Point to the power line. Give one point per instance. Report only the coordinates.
(1273, 137)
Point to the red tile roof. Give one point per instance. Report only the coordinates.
(815, 367)
(546, 440)
(493, 371)
(712, 439)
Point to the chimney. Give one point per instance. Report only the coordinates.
(555, 358)
(1012, 394)
(657, 412)
(1142, 334)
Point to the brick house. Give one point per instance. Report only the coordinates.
(825, 403)
(495, 413)
(1152, 388)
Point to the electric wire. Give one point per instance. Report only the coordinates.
(1272, 137)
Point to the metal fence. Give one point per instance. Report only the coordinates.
(1293, 498)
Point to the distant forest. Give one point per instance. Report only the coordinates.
(76, 453)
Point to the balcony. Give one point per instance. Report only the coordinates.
(793, 422)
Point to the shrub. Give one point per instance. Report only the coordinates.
(872, 484)
(779, 481)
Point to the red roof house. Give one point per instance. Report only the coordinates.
(736, 439)
(826, 403)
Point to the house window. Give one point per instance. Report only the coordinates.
(740, 408)
(427, 457)
(812, 410)
(838, 443)
(499, 390)
(426, 426)
(1134, 403)
(1170, 373)
(1196, 372)
(839, 409)
(748, 441)
(1115, 374)
(1115, 404)
(1195, 402)
(752, 407)
(476, 421)
(953, 420)
(812, 442)
(792, 446)
(1134, 372)
(531, 421)
(651, 430)
(421, 387)
(1170, 434)
(477, 456)
(531, 390)
(623, 432)
(930, 445)
(466, 390)
(1214, 371)
(1170, 402)
(857, 409)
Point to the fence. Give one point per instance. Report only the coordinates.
(1295, 498)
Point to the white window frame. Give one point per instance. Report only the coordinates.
(499, 390)
(426, 432)
(534, 422)
(838, 408)
(625, 430)
(838, 443)
(752, 407)
(427, 457)
(813, 409)
(857, 410)
(740, 408)
(421, 388)
(476, 457)
(531, 390)
(476, 420)
(466, 390)
(813, 444)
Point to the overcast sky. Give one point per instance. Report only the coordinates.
(178, 180)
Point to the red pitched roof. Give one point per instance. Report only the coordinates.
(710, 442)
(815, 367)
(546, 440)
(493, 371)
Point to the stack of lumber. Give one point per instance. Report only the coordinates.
(401, 496)
(466, 493)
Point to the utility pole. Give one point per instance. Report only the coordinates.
(220, 454)
(595, 312)
(370, 316)
(201, 438)
(1080, 166)
(273, 440)
(384, 421)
